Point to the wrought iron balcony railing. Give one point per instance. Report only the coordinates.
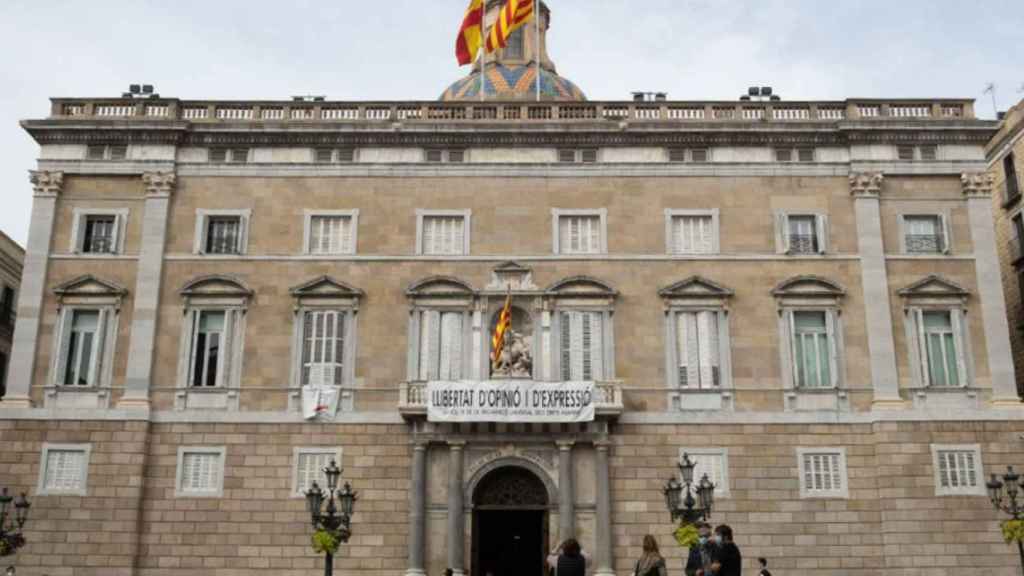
(925, 243)
(803, 244)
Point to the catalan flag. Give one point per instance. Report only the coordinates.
(467, 43)
(504, 323)
(513, 15)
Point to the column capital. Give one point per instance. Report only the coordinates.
(420, 445)
(866, 184)
(602, 445)
(159, 184)
(46, 183)
(977, 184)
(456, 444)
(565, 445)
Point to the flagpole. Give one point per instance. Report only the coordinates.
(536, 41)
(483, 49)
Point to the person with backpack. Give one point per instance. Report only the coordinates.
(651, 563)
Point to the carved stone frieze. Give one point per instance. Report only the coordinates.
(866, 183)
(159, 183)
(478, 458)
(46, 183)
(977, 183)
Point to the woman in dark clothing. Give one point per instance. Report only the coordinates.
(730, 561)
(571, 562)
(651, 563)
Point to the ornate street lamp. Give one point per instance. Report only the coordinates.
(335, 522)
(1003, 494)
(10, 525)
(689, 511)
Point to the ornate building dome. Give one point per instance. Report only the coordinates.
(511, 73)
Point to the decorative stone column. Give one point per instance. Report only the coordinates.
(418, 511)
(566, 494)
(603, 554)
(866, 188)
(977, 188)
(456, 515)
(159, 188)
(46, 187)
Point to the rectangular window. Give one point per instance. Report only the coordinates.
(208, 349)
(699, 155)
(585, 155)
(514, 48)
(3, 374)
(783, 155)
(958, 470)
(677, 154)
(239, 155)
(218, 155)
(309, 467)
(697, 341)
(929, 153)
(331, 235)
(83, 346)
(444, 235)
(7, 307)
(223, 235)
(346, 155)
(714, 462)
(823, 473)
(805, 154)
(441, 337)
(924, 234)
(588, 155)
(905, 152)
(95, 152)
(582, 346)
(434, 156)
(941, 359)
(200, 472)
(118, 152)
(64, 469)
(1012, 185)
(579, 234)
(456, 156)
(232, 155)
(323, 347)
(1017, 238)
(693, 234)
(100, 235)
(566, 155)
(812, 349)
(803, 235)
(324, 155)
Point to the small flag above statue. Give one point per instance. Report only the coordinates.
(513, 15)
(470, 38)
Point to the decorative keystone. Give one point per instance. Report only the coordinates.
(45, 183)
(159, 183)
(977, 184)
(866, 183)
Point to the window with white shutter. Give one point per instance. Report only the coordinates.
(64, 469)
(309, 464)
(803, 237)
(693, 234)
(200, 471)
(441, 340)
(711, 461)
(924, 234)
(813, 346)
(582, 345)
(698, 353)
(958, 470)
(323, 347)
(444, 234)
(580, 234)
(823, 473)
(331, 234)
(942, 362)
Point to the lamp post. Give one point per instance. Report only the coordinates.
(336, 521)
(10, 525)
(1003, 494)
(687, 508)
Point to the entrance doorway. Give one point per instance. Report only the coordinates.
(510, 524)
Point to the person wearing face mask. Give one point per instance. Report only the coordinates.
(728, 561)
(704, 554)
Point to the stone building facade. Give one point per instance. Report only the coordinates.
(1005, 155)
(12, 256)
(800, 295)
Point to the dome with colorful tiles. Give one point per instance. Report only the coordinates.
(514, 82)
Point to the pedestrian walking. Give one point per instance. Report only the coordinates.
(651, 563)
(729, 561)
(698, 563)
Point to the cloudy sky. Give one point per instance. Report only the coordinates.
(403, 49)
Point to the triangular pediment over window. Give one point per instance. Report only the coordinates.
(89, 285)
(809, 287)
(695, 286)
(934, 286)
(325, 286)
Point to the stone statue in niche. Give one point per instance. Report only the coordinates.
(516, 359)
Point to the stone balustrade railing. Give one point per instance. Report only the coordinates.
(412, 400)
(490, 112)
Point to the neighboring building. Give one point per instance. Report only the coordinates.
(1005, 155)
(11, 258)
(801, 295)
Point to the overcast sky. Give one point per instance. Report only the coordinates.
(403, 49)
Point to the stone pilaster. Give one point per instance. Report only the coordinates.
(603, 554)
(456, 515)
(566, 494)
(159, 188)
(418, 512)
(977, 188)
(46, 187)
(866, 188)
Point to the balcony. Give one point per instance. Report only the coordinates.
(924, 244)
(803, 244)
(412, 403)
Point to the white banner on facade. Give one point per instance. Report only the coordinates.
(510, 401)
(319, 401)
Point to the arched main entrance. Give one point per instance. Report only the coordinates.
(510, 523)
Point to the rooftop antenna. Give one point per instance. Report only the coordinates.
(990, 88)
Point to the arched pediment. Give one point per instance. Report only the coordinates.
(216, 285)
(440, 286)
(695, 286)
(809, 287)
(581, 286)
(89, 285)
(325, 286)
(934, 286)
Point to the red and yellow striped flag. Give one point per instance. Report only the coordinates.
(513, 15)
(471, 34)
(504, 323)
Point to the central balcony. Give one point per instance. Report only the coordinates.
(412, 403)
